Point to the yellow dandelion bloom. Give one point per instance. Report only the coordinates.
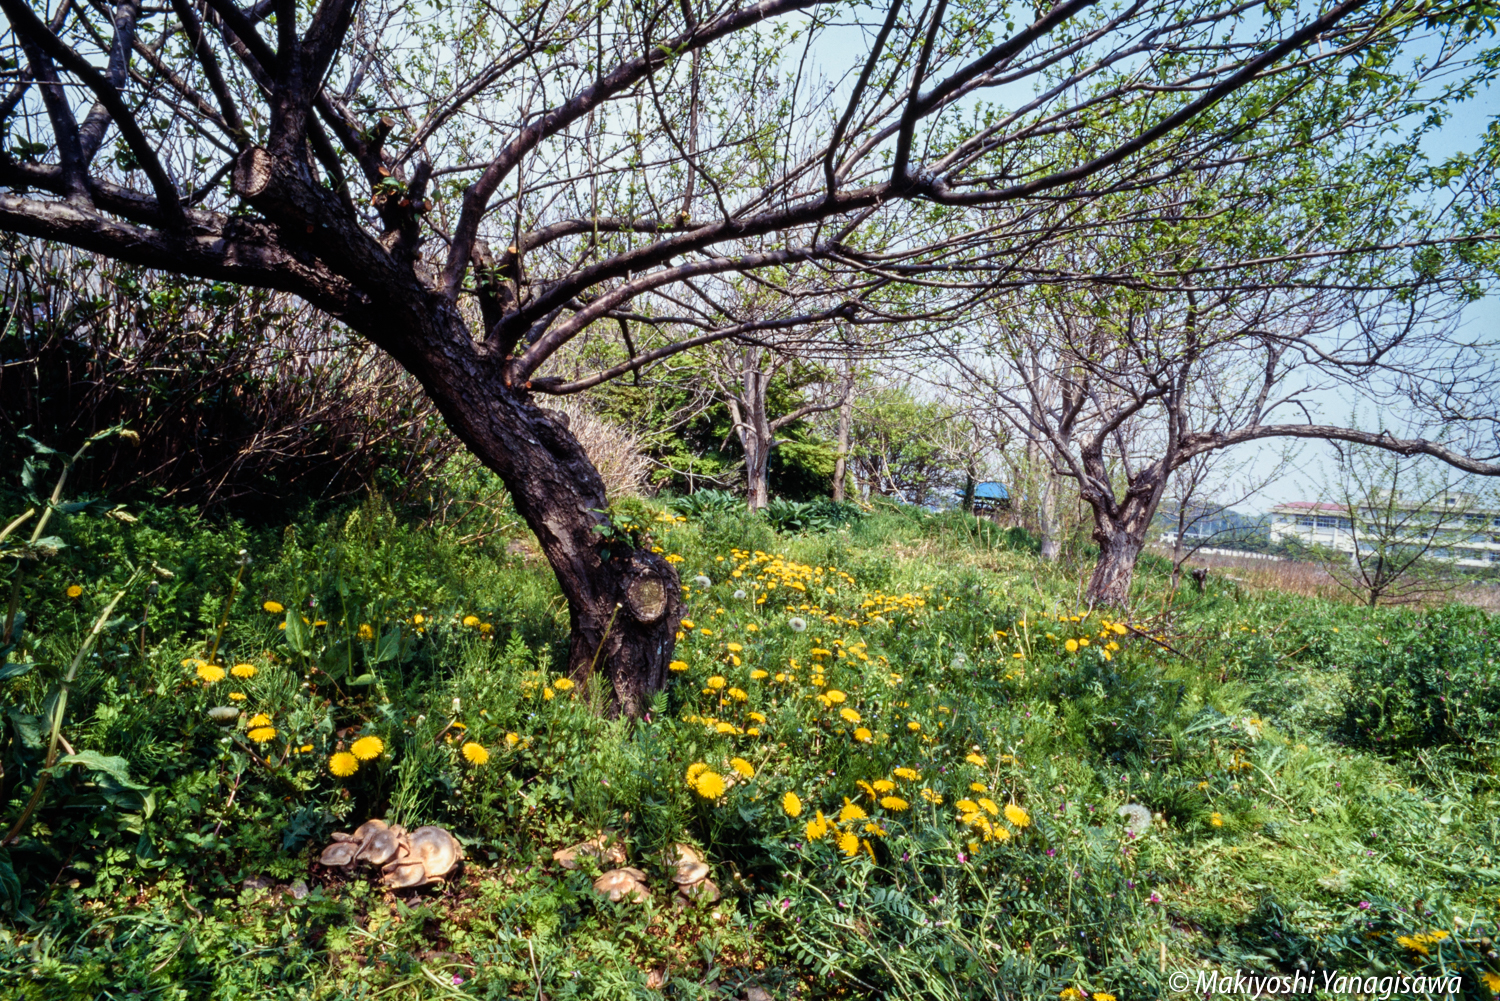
(1071, 994)
(210, 673)
(733, 647)
(738, 694)
(849, 844)
(365, 632)
(343, 764)
(863, 735)
(852, 811)
(1217, 819)
(259, 719)
(1103, 996)
(563, 684)
(909, 774)
(757, 717)
(74, 591)
(835, 696)
(367, 748)
(935, 798)
(742, 766)
(914, 726)
(678, 666)
(993, 810)
(894, 803)
(710, 785)
(687, 623)
(1492, 981)
(243, 670)
(758, 674)
(237, 696)
(512, 739)
(548, 694)
(978, 787)
(1016, 815)
(817, 828)
(717, 682)
(792, 805)
(975, 758)
(849, 715)
(695, 770)
(1072, 646)
(475, 753)
(274, 607)
(966, 806)
(262, 734)
(471, 621)
(884, 785)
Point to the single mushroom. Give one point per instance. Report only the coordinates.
(404, 875)
(381, 846)
(690, 876)
(368, 828)
(606, 847)
(339, 854)
(435, 849)
(703, 891)
(625, 883)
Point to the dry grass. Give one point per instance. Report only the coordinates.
(615, 452)
(1313, 580)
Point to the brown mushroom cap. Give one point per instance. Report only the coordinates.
(404, 875)
(689, 873)
(703, 891)
(606, 847)
(436, 850)
(623, 884)
(339, 854)
(368, 828)
(380, 847)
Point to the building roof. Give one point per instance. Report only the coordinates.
(992, 490)
(1307, 506)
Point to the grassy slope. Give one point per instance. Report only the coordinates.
(1274, 845)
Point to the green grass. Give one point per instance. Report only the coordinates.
(1294, 827)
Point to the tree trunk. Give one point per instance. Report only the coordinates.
(968, 500)
(1046, 517)
(846, 418)
(756, 436)
(1110, 584)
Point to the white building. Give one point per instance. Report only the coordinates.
(1461, 532)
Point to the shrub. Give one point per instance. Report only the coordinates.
(1429, 680)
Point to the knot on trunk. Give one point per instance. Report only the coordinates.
(646, 595)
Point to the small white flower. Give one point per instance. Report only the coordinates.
(702, 581)
(1137, 818)
(796, 624)
(740, 594)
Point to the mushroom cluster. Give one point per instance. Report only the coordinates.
(406, 859)
(690, 877)
(690, 880)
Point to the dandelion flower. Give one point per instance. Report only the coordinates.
(710, 785)
(222, 714)
(742, 766)
(548, 694)
(1072, 646)
(894, 803)
(343, 764)
(274, 607)
(1103, 996)
(259, 719)
(993, 810)
(471, 621)
(717, 682)
(512, 739)
(797, 625)
(817, 828)
(914, 726)
(262, 734)
(967, 806)
(758, 674)
(210, 673)
(563, 684)
(909, 774)
(863, 735)
(935, 798)
(74, 591)
(835, 696)
(1016, 815)
(739, 595)
(365, 632)
(849, 715)
(678, 666)
(852, 811)
(694, 770)
(884, 786)
(978, 787)
(367, 748)
(1216, 819)
(702, 581)
(738, 694)
(243, 670)
(475, 753)
(975, 758)
(792, 805)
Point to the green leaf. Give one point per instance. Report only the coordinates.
(298, 637)
(8, 671)
(116, 768)
(389, 647)
(363, 679)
